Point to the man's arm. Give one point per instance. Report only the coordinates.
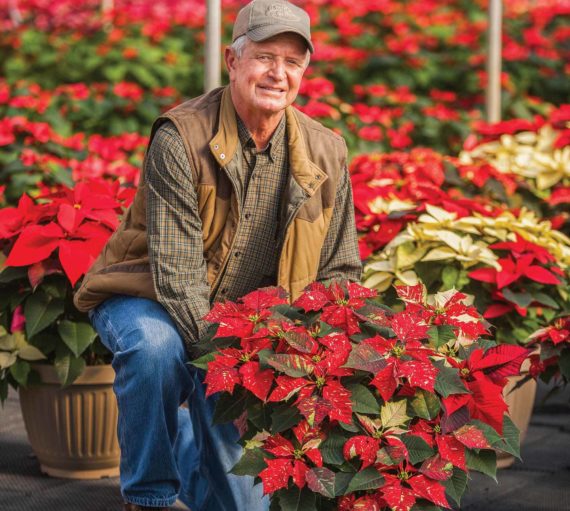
(174, 228)
(340, 258)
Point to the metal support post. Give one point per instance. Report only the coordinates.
(494, 61)
(213, 48)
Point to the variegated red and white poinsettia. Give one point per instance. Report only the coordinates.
(343, 403)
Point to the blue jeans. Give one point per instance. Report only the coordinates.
(168, 451)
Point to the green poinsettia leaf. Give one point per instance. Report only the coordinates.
(20, 371)
(230, 406)
(522, 299)
(367, 479)
(41, 310)
(297, 500)
(510, 442)
(449, 277)
(284, 417)
(455, 486)
(448, 380)
(202, 362)
(3, 390)
(418, 448)
(11, 273)
(425, 404)
(440, 335)
(251, 463)
(365, 358)
(67, 366)
(545, 300)
(331, 449)
(77, 336)
(363, 401)
(484, 461)
(564, 363)
(341, 482)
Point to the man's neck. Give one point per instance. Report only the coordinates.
(260, 128)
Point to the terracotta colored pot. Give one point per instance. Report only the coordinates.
(521, 403)
(73, 430)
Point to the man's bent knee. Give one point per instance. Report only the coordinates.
(140, 327)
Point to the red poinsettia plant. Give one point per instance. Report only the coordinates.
(345, 404)
(46, 245)
(553, 358)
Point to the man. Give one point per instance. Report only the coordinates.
(239, 191)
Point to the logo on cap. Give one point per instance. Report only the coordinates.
(281, 11)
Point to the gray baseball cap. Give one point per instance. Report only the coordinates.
(262, 19)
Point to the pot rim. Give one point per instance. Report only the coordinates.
(91, 375)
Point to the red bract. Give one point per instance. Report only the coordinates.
(552, 343)
(338, 310)
(375, 401)
(484, 375)
(75, 222)
(447, 308)
(290, 461)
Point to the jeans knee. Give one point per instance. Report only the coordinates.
(158, 349)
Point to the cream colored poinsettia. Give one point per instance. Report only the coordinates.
(381, 205)
(462, 248)
(527, 154)
(14, 346)
(439, 236)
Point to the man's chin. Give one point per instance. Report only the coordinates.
(271, 107)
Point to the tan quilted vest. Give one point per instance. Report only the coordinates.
(208, 128)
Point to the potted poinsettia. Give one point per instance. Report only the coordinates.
(425, 216)
(47, 244)
(344, 404)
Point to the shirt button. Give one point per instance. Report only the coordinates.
(247, 216)
(224, 291)
(237, 254)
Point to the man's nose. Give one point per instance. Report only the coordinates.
(277, 70)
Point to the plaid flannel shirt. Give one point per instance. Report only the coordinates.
(175, 231)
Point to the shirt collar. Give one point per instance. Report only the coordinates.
(276, 139)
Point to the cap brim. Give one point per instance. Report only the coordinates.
(263, 33)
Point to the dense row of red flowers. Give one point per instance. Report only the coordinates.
(320, 362)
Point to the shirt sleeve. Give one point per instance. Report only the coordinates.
(340, 257)
(174, 229)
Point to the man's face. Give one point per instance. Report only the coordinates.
(266, 78)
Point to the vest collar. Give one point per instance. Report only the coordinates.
(225, 143)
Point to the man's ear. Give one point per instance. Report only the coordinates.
(230, 59)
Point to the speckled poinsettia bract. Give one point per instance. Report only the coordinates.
(344, 404)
